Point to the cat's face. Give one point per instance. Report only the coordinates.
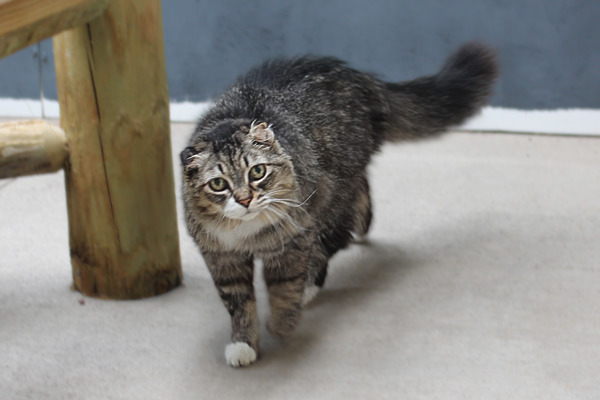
(239, 172)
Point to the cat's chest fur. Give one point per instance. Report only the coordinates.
(234, 237)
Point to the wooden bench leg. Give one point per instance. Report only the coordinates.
(114, 109)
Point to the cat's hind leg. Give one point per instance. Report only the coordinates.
(363, 214)
(310, 292)
(341, 226)
(316, 274)
(330, 240)
(335, 234)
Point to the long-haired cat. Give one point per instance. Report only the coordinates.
(276, 170)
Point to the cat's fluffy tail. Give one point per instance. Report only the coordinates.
(429, 105)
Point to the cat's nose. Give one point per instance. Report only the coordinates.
(245, 202)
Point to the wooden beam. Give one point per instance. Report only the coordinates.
(25, 22)
(114, 108)
(31, 147)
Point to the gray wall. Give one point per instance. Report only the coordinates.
(549, 49)
(24, 74)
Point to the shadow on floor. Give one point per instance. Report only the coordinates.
(355, 276)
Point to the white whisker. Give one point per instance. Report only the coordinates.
(277, 203)
(280, 191)
(284, 216)
(308, 198)
(291, 202)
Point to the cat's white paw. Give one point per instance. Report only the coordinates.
(310, 292)
(239, 354)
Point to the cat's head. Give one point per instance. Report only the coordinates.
(237, 170)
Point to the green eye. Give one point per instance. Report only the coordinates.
(218, 184)
(257, 172)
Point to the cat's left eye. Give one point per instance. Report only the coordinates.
(257, 172)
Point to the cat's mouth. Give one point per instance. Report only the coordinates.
(240, 213)
(250, 215)
(234, 210)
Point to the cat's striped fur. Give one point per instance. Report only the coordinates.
(277, 170)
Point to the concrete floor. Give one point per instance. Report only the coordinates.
(481, 281)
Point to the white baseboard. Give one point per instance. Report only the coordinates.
(20, 108)
(495, 119)
(31, 108)
(573, 121)
(188, 111)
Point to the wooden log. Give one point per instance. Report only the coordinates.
(31, 147)
(25, 22)
(114, 108)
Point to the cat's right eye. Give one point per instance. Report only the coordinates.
(218, 184)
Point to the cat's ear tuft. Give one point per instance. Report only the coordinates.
(262, 134)
(187, 155)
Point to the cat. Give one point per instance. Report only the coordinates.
(276, 170)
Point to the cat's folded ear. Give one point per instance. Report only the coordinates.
(187, 155)
(262, 134)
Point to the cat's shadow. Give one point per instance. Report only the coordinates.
(355, 276)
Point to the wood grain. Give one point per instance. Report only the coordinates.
(114, 108)
(31, 147)
(25, 22)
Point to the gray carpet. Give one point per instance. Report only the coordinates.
(481, 280)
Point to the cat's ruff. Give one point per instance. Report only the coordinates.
(231, 233)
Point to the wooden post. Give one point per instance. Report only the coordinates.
(31, 147)
(114, 108)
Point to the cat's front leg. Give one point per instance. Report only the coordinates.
(233, 274)
(286, 276)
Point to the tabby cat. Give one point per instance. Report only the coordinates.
(276, 170)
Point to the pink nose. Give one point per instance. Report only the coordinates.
(245, 202)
